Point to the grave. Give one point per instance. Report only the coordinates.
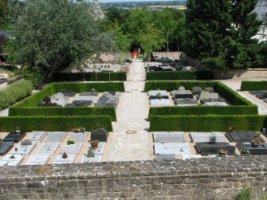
(170, 151)
(11, 160)
(82, 103)
(48, 148)
(77, 137)
(197, 90)
(15, 136)
(160, 102)
(85, 98)
(158, 94)
(180, 94)
(100, 148)
(216, 104)
(168, 137)
(261, 149)
(38, 159)
(60, 99)
(60, 160)
(23, 149)
(5, 146)
(91, 93)
(205, 148)
(186, 102)
(71, 148)
(55, 137)
(241, 136)
(95, 158)
(205, 136)
(99, 134)
(36, 136)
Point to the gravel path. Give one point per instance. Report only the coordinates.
(130, 141)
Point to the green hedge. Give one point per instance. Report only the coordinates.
(231, 96)
(207, 123)
(53, 88)
(55, 123)
(102, 76)
(60, 111)
(14, 93)
(180, 75)
(173, 85)
(204, 110)
(253, 85)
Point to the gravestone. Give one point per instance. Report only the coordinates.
(241, 136)
(99, 134)
(205, 148)
(261, 149)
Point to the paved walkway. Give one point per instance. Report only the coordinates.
(235, 84)
(130, 139)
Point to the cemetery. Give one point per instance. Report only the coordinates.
(41, 147)
(257, 89)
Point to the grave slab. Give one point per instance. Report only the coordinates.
(23, 149)
(77, 137)
(11, 160)
(71, 149)
(168, 137)
(261, 149)
(48, 148)
(96, 158)
(55, 137)
(36, 136)
(170, 151)
(38, 159)
(5, 146)
(205, 136)
(205, 148)
(60, 160)
(241, 136)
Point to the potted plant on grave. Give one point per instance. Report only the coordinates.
(90, 153)
(69, 142)
(245, 152)
(256, 141)
(94, 144)
(158, 95)
(79, 130)
(64, 155)
(223, 152)
(212, 139)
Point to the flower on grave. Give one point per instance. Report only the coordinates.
(223, 152)
(65, 155)
(94, 144)
(212, 139)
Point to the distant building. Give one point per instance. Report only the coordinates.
(261, 11)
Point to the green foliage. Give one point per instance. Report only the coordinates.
(36, 77)
(50, 35)
(219, 33)
(102, 76)
(245, 194)
(63, 111)
(54, 123)
(180, 75)
(253, 85)
(207, 122)
(14, 93)
(204, 110)
(3, 13)
(53, 88)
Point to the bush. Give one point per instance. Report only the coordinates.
(36, 77)
(54, 123)
(14, 93)
(253, 85)
(204, 110)
(63, 111)
(207, 122)
(180, 75)
(102, 76)
(53, 88)
(245, 194)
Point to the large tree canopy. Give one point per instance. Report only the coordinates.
(51, 35)
(219, 33)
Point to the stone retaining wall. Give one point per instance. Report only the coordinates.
(214, 178)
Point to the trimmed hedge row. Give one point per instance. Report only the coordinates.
(53, 88)
(15, 92)
(180, 75)
(207, 122)
(173, 85)
(60, 111)
(253, 85)
(230, 95)
(102, 76)
(55, 123)
(204, 110)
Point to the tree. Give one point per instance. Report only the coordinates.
(3, 13)
(51, 35)
(219, 33)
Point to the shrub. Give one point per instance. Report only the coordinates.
(54, 123)
(207, 122)
(245, 194)
(15, 92)
(253, 85)
(204, 110)
(180, 75)
(102, 76)
(63, 111)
